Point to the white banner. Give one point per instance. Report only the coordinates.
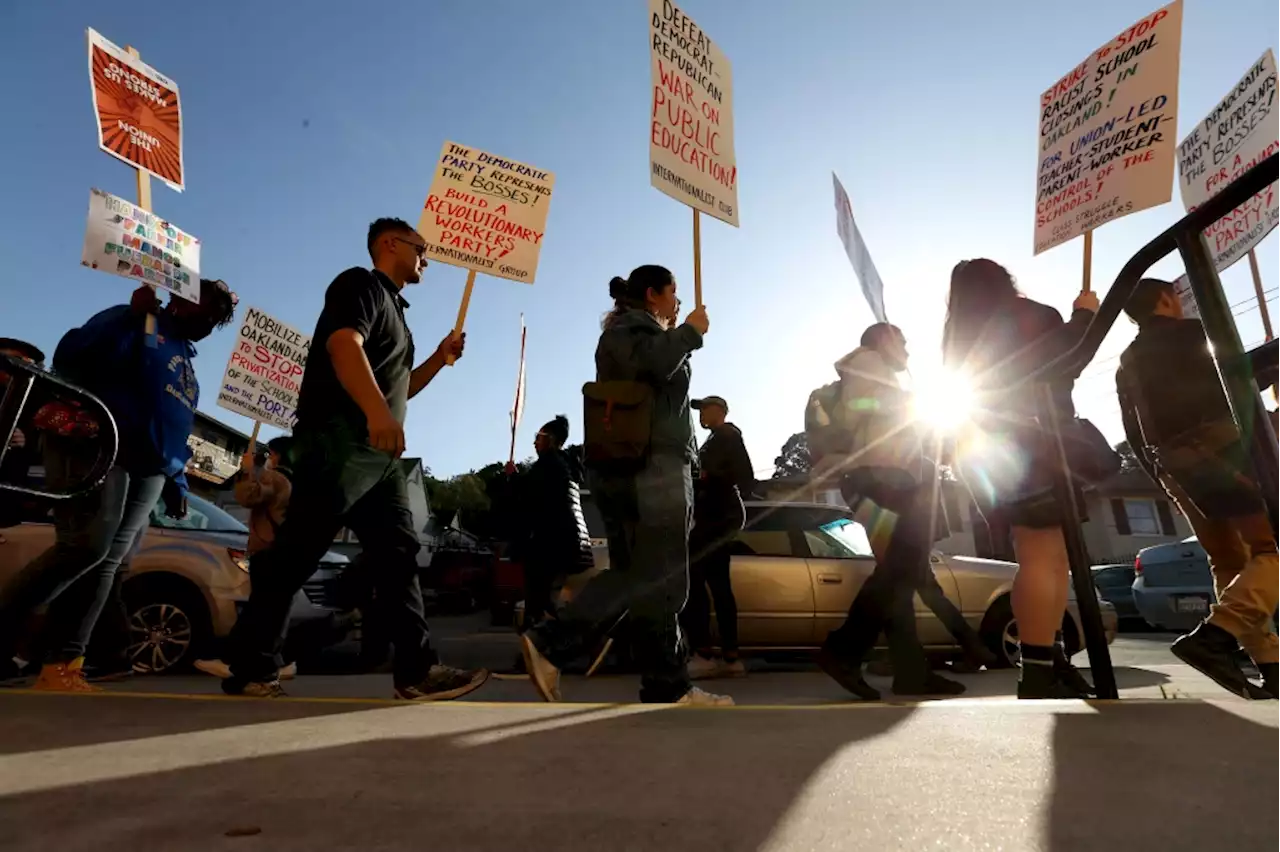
(1240, 132)
(856, 249)
(1190, 310)
(123, 239)
(264, 372)
(691, 115)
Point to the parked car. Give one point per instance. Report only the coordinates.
(1115, 584)
(185, 585)
(797, 567)
(1172, 586)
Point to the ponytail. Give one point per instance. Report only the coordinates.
(629, 294)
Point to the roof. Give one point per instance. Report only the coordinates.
(200, 415)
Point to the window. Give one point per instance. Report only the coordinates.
(763, 543)
(841, 538)
(1142, 516)
(201, 515)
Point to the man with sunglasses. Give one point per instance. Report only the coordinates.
(347, 443)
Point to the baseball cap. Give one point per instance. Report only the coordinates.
(699, 404)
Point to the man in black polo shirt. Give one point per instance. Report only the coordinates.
(346, 472)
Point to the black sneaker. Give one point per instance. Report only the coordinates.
(444, 683)
(930, 685)
(847, 674)
(253, 688)
(1069, 674)
(1270, 678)
(1211, 651)
(1040, 681)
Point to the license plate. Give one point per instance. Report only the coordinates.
(1192, 604)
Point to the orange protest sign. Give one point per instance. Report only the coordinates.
(138, 111)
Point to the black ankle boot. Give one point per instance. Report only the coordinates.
(1067, 673)
(929, 685)
(1211, 651)
(1270, 678)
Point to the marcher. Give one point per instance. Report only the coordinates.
(151, 391)
(262, 487)
(725, 478)
(994, 339)
(639, 446)
(346, 448)
(1183, 435)
(864, 431)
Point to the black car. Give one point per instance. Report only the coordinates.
(1115, 584)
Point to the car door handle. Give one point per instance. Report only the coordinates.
(830, 579)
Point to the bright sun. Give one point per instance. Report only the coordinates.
(942, 399)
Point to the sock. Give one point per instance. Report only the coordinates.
(1037, 664)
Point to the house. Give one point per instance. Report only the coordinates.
(1125, 514)
(216, 449)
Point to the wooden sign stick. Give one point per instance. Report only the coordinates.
(697, 259)
(144, 201)
(1088, 263)
(462, 310)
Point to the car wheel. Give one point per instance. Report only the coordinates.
(1000, 631)
(168, 625)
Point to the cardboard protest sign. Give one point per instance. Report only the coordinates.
(264, 372)
(859, 257)
(1190, 310)
(486, 213)
(691, 115)
(1108, 131)
(1240, 132)
(123, 239)
(138, 110)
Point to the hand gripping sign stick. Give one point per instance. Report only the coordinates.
(487, 214)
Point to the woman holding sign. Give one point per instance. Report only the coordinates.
(638, 447)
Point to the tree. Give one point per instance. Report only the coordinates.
(794, 459)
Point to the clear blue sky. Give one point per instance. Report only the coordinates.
(306, 121)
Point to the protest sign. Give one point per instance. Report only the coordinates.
(138, 110)
(1240, 132)
(1108, 132)
(859, 257)
(123, 239)
(1190, 310)
(486, 213)
(264, 372)
(691, 154)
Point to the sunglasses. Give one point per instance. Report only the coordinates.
(420, 249)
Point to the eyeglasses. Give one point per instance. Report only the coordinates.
(420, 249)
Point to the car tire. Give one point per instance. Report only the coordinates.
(169, 623)
(1000, 631)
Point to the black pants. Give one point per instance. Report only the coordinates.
(544, 577)
(949, 614)
(710, 552)
(646, 518)
(338, 481)
(896, 510)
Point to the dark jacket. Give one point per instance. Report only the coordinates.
(1168, 385)
(725, 479)
(633, 347)
(551, 532)
(1016, 342)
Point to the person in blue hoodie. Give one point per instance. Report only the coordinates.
(151, 390)
(647, 511)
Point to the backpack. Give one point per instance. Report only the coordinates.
(823, 426)
(617, 421)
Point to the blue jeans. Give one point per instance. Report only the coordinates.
(74, 576)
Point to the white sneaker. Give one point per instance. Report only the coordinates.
(221, 670)
(702, 668)
(696, 697)
(737, 668)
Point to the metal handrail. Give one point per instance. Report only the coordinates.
(23, 377)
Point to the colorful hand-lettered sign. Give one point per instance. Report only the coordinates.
(264, 373)
(486, 213)
(691, 115)
(1108, 131)
(138, 111)
(123, 239)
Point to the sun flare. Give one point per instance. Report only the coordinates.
(942, 399)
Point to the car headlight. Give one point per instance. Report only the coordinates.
(240, 558)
